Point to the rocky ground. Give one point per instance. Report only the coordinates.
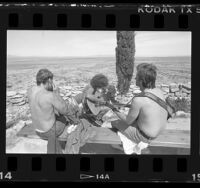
(18, 108)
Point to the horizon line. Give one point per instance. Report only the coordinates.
(88, 56)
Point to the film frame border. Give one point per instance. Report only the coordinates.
(117, 167)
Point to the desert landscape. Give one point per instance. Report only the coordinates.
(71, 75)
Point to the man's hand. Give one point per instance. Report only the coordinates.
(56, 89)
(114, 109)
(111, 106)
(101, 103)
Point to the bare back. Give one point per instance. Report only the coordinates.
(152, 117)
(42, 110)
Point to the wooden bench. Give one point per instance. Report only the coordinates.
(168, 138)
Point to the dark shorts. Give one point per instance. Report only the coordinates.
(53, 145)
(56, 130)
(131, 132)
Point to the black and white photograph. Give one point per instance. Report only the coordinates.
(98, 92)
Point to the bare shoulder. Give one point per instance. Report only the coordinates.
(159, 93)
(53, 97)
(85, 89)
(47, 97)
(137, 101)
(159, 90)
(30, 90)
(89, 90)
(50, 95)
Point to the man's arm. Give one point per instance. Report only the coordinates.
(121, 116)
(59, 103)
(133, 112)
(90, 96)
(95, 99)
(65, 108)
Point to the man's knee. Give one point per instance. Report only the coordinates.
(120, 125)
(130, 132)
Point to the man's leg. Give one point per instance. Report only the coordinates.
(62, 118)
(60, 127)
(129, 131)
(50, 137)
(53, 145)
(119, 125)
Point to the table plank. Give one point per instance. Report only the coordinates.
(168, 138)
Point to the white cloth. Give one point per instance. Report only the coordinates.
(106, 124)
(130, 147)
(40, 131)
(71, 128)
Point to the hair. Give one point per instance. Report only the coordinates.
(147, 74)
(141, 65)
(43, 76)
(99, 81)
(110, 94)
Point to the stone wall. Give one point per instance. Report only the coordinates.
(177, 90)
(179, 95)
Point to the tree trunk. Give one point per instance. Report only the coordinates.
(125, 52)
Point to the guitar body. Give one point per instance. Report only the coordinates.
(94, 108)
(99, 108)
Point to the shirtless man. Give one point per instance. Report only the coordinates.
(146, 118)
(46, 105)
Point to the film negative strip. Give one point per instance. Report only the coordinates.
(64, 47)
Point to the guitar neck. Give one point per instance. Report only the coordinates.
(118, 105)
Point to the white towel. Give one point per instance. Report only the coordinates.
(130, 147)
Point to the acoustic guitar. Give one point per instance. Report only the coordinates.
(97, 107)
(94, 106)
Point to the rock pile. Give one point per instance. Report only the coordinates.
(19, 98)
(177, 90)
(179, 95)
(16, 98)
(133, 90)
(71, 90)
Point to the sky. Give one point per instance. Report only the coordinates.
(94, 43)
